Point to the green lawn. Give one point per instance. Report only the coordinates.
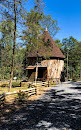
(4, 87)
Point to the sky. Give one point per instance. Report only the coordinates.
(68, 15)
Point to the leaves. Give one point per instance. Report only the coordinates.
(73, 47)
(52, 25)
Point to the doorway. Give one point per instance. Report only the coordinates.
(42, 73)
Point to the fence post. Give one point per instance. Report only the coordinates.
(2, 99)
(36, 90)
(48, 83)
(4, 95)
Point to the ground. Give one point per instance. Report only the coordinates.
(57, 109)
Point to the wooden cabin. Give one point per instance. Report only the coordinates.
(48, 62)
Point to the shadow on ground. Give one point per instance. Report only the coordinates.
(74, 83)
(51, 111)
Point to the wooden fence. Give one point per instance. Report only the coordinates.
(2, 99)
(29, 91)
(39, 84)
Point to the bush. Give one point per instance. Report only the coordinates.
(22, 96)
(15, 84)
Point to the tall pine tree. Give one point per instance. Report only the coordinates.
(13, 10)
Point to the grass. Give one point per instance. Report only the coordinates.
(53, 84)
(40, 91)
(4, 87)
(14, 97)
(16, 87)
(12, 104)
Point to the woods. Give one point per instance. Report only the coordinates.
(21, 32)
(40, 64)
(73, 47)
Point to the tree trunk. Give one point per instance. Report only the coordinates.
(11, 77)
(36, 73)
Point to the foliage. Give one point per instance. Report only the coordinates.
(18, 64)
(6, 29)
(33, 30)
(4, 87)
(32, 24)
(16, 84)
(22, 95)
(59, 44)
(6, 62)
(72, 47)
(51, 24)
(11, 12)
(35, 24)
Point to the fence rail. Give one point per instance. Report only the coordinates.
(39, 83)
(54, 80)
(30, 91)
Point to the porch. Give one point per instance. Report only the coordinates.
(40, 70)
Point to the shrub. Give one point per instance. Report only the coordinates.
(15, 84)
(22, 96)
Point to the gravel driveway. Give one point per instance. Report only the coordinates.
(58, 109)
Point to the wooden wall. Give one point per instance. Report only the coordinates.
(54, 67)
(31, 61)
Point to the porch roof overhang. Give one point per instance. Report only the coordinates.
(33, 67)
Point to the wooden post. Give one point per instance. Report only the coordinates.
(36, 73)
(48, 83)
(2, 99)
(36, 90)
(4, 95)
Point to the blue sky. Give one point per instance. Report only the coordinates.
(68, 15)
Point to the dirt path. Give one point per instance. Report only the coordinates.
(58, 109)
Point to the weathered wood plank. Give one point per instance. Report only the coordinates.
(2, 99)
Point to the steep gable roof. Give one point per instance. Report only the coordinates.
(43, 52)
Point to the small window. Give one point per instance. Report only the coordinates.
(39, 60)
(48, 40)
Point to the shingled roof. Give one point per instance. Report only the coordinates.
(42, 52)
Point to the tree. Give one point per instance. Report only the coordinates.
(13, 12)
(19, 63)
(6, 29)
(34, 26)
(39, 6)
(47, 20)
(17, 9)
(52, 25)
(59, 44)
(71, 46)
(33, 30)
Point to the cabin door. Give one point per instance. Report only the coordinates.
(42, 73)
